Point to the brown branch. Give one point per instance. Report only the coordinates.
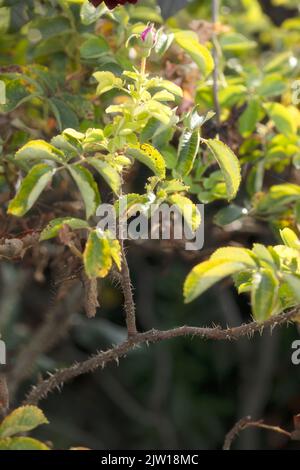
(4, 395)
(101, 359)
(129, 305)
(246, 423)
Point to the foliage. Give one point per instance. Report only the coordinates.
(100, 96)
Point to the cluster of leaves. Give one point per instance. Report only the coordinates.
(138, 121)
(140, 129)
(271, 275)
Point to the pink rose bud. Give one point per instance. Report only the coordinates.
(148, 39)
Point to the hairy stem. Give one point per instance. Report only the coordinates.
(101, 359)
(129, 305)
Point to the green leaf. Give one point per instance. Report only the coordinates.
(93, 48)
(229, 165)
(272, 85)
(174, 186)
(188, 210)
(87, 187)
(263, 254)
(235, 42)
(282, 118)
(293, 281)
(109, 173)
(21, 443)
(206, 274)
(31, 187)
(150, 157)
(163, 42)
(5, 13)
(264, 294)
(50, 27)
(53, 228)
(64, 114)
(22, 419)
(229, 214)
(199, 53)
(249, 118)
(40, 150)
(130, 203)
(150, 129)
(107, 81)
(17, 91)
(232, 95)
(188, 149)
(89, 14)
(97, 256)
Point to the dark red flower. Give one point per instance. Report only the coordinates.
(111, 3)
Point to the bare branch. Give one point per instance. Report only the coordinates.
(246, 423)
(152, 336)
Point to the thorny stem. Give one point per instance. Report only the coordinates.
(246, 423)
(215, 16)
(102, 358)
(129, 305)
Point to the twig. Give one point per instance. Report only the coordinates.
(246, 423)
(4, 395)
(215, 16)
(101, 359)
(128, 295)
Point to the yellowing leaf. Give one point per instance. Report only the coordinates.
(151, 157)
(97, 256)
(282, 118)
(229, 165)
(22, 419)
(87, 187)
(290, 239)
(233, 253)
(206, 274)
(107, 81)
(163, 95)
(115, 251)
(21, 443)
(188, 210)
(39, 150)
(53, 228)
(31, 187)
(199, 53)
(109, 173)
